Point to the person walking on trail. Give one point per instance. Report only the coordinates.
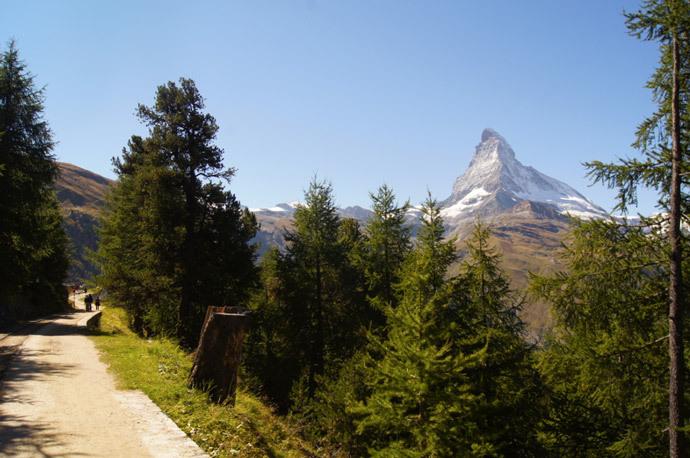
(88, 300)
(98, 303)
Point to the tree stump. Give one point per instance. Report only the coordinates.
(219, 353)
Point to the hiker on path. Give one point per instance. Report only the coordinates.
(88, 300)
(98, 303)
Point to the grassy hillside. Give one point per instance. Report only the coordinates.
(81, 194)
(159, 369)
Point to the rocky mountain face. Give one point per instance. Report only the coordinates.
(81, 194)
(496, 182)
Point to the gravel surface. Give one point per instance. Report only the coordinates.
(57, 399)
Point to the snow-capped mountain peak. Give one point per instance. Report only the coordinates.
(496, 181)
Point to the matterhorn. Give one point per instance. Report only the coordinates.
(496, 183)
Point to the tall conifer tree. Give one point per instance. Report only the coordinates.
(663, 138)
(171, 232)
(387, 245)
(32, 240)
(605, 364)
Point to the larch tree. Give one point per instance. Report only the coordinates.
(663, 139)
(313, 254)
(605, 365)
(387, 245)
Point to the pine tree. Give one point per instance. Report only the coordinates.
(313, 248)
(486, 315)
(271, 353)
(183, 134)
(32, 240)
(173, 239)
(663, 139)
(313, 304)
(420, 391)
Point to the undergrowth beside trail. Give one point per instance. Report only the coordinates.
(159, 368)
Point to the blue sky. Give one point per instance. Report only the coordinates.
(357, 92)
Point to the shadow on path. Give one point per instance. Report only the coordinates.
(27, 437)
(20, 435)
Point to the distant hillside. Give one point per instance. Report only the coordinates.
(81, 194)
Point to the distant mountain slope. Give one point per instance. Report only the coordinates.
(275, 220)
(81, 194)
(528, 211)
(81, 189)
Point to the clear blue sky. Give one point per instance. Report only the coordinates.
(358, 92)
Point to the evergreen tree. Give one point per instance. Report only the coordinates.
(323, 288)
(173, 240)
(420, 392)
(312, 305)
(32, 240)
(453, 373)
(183, 134)
(486, 316)
(605, 365)
(387, 245)
(271, 353)
(311, 254)
(663, 138)
(139, 240)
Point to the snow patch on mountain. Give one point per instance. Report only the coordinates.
(495, 182)
(286, 208)
(471, 200)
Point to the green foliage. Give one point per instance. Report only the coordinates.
(452, 373)
(386, 247)
(663, 139)
(172, 240)
(271, 357)
(606, 363)
(32, 241)
(312, 309)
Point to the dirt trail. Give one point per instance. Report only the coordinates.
(57, 399)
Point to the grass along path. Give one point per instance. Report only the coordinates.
(159, 368)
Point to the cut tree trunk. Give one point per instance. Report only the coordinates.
(219, 353)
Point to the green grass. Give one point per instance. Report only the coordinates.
(159, 368)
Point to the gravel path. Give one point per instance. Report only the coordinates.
(57, 399)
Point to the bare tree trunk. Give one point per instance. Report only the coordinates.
(675, 313)
(219, 354)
